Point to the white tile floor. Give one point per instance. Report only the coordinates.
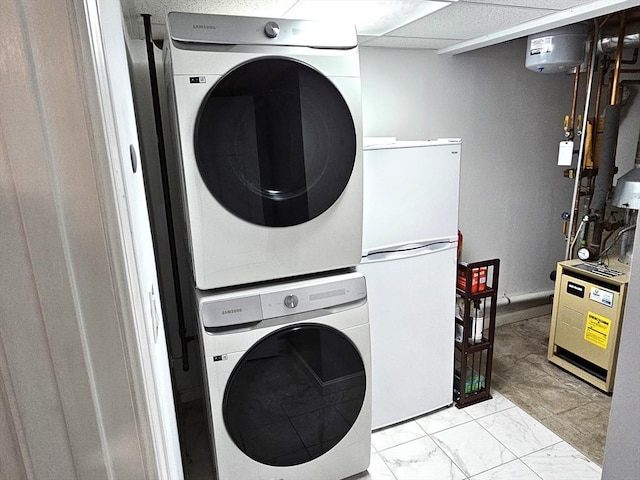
(492, 440)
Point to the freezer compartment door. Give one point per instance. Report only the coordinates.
(410, 195)
(399, 252)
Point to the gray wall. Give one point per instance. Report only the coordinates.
(512, 192)
(510, 121)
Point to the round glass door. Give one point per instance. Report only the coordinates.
(294, 395)
(275, 142)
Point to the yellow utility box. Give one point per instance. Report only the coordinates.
(588, 305)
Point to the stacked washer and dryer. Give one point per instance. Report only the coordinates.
(267, 121)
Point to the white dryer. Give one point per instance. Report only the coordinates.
(288, 379)
(267, 115)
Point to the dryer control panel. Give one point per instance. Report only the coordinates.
(201, 28)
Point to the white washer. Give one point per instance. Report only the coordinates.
(288, 379)
(268, 121)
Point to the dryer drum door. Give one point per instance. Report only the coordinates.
(294, 395)
(275, 142)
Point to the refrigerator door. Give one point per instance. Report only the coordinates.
(397, 252)
(411, 312)
(410, 193)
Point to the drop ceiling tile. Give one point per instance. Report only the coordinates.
(407, 42)
(550, 4)
(468, 20)
(371, 17)
(252, 8)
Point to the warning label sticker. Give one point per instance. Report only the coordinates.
(541, 45)
(597, 330)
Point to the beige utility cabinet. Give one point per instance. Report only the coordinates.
(588, 305)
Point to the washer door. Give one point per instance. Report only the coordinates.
(294, 395)
(275, 142)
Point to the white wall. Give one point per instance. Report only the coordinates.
(73, 402)
(629, 129)
(622, 452)
(510, 121)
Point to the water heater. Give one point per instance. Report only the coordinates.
(557, 50)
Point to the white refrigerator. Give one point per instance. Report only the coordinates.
(410, 231)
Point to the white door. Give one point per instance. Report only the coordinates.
(410, 194)
(122, 134)
(411, 314)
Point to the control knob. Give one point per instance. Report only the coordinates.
(271, 29)
(291, 301)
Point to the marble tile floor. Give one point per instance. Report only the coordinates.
(543, 423)
(567, 405)
(492, 440)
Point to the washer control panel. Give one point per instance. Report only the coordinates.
(256, 304)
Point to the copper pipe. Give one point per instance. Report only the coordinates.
(616, 69)
(604, 20)
(573, 225)
(574, 103)
(577, 184)
(576, 206)
(606, 168)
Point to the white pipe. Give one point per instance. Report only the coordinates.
(576, 185)
(526, 297)
(608, 42)
(575, 238)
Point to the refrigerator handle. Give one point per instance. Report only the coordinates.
(408, 251)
